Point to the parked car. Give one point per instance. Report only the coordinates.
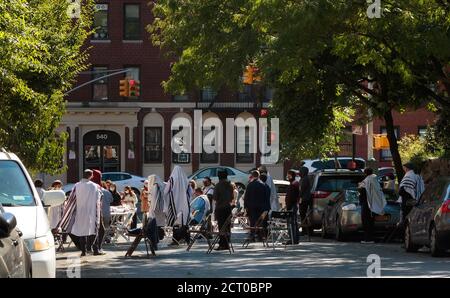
(120, 179)
(281, 186)
(19, 197)
(326, 186)
(15, 259)
(314, 165)
(428, 223)
(342, 216)
(234, 175)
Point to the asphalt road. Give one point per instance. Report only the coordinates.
(317, 258)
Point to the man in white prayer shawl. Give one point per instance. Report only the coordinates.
(410, 189)
(372, 202)
(156, 197)
(177, 197)
(274, 201)
(88, 208)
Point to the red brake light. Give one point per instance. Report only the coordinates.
(320, 194)
(446, 207)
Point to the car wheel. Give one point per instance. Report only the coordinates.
(339, 235)
(436, 251)
(409, 245)
(325, 235)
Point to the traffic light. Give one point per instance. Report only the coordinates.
(123, 89)
(380, 142)
(248, 75)
(134, 88)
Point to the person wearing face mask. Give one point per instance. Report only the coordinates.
(117, 200)
(292, 199)
(130, 200)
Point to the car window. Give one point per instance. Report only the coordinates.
(14, 187)
(230, 172)
(352, 196)
(125, 177)
(337, 183)
(204, 173)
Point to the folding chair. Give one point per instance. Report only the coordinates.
(120, 227)
(278, 229)
(242, 220)
(258, 228)
(224, 231)
(199, 231)
(142, 235)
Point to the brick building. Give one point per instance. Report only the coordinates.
(114, 133)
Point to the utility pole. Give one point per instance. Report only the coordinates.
(370, 129)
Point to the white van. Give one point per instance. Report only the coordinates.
(19, 197)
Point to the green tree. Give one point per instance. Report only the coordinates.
(41, 52)
(330, 46)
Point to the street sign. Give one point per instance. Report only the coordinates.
(357, 130)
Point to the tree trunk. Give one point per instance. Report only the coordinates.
(393, 145)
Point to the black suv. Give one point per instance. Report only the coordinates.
(328, 184)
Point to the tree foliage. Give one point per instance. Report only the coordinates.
(321, 56)
(40, 55)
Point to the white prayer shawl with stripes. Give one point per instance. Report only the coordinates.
(375, 195)
(412, 184)
(177, 196)
(156, 198)
(70, 208)
(87, 218)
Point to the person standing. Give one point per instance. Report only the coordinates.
(222, 197)
(117, 199)
(292, 198)
(130, 200)
(87, 216)
(372, 202)
(266, 200)
(410, 189)
(255, 200)
(274, 201)
(305, 199)
(105, 214)
(40, 189)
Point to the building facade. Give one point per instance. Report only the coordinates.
(133, 134)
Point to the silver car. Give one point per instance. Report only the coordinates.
(239, 177)
(428, 223)
(342, 216)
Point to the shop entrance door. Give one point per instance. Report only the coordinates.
(101, 151)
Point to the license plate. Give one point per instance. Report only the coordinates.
(385, 217)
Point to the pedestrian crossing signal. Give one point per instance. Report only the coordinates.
(380, 142)
(123, 89)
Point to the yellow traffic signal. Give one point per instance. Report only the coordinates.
(248, 75)
(134, 88)
(380, 142)
(123, 89)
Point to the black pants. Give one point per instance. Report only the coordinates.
(293, 223)
(87, 243)
(133, 224)
(101, 235)
(367, 219)
(303, 212)
(222, 215)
